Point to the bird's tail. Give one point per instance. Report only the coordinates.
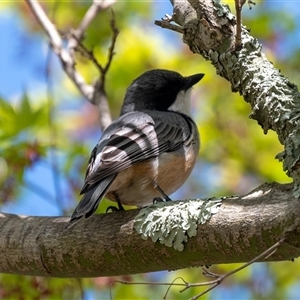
(90, 201)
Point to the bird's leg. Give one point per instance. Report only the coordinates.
(158, 199)
(113, 208)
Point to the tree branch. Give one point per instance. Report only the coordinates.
(56, 44)
(100, 98)
(107, 244)
(209, 30)
(238, 35)
(166, 23)
(90, 15)
(66, 55)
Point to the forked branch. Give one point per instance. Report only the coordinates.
(95, 94)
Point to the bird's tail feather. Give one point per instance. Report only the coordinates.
(90, 201)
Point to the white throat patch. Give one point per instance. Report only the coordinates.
(182, 104)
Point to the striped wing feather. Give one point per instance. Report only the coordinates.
(139, 137)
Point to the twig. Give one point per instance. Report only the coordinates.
(78, 34)
(57, 46)
(238, 8)
(90, 15)
(238, 36)
(172, 283)
(166, 24)
(100, 99)
(99, 96)
(217, 281)
(115, 33)
(212, 283)
(66, 56)
(90, 54)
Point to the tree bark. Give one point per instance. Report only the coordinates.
(107, 244)
(209, 30)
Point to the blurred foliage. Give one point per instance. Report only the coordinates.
(235, 156)
(22, 142)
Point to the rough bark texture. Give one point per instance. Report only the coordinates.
(107, 244)
(209, 29)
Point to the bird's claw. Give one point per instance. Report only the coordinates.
(112, 209)
(158, 199)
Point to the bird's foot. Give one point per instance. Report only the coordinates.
(158, 199)
(166, 197)
(113, 208)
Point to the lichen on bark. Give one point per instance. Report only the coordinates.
(209, 30)
(172, 224)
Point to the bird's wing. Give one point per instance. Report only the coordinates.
(133, 138)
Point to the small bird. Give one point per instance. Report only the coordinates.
(149, 151)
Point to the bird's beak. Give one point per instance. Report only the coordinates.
(191, 80)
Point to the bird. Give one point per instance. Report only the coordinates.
(149, 151)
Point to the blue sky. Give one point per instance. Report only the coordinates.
(22, 57)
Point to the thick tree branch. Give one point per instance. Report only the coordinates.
(107, 244)
(209, 29)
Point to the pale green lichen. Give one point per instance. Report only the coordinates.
(223, 10)
(172, 223)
